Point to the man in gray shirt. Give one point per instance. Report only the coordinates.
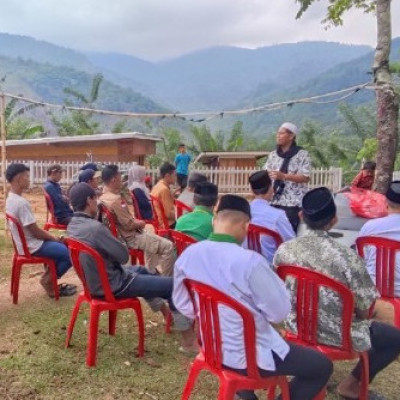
(127, 282)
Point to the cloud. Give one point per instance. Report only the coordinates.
(155, 29)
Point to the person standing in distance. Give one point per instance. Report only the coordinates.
(182, 161)
(289, 168)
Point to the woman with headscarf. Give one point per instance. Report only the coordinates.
(136, 184)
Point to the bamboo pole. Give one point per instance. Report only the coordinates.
(3, 143)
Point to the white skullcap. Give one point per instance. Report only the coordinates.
(290, 127)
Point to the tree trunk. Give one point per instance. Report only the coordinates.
(387, 100)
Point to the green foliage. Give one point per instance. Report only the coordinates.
(369, 150)
(120, 126)
(236, 139)
(337, 9)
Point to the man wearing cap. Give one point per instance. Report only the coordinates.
(387, 227)
(40, 243)
(91, 177)
(247, 277)
(263, 214)
(289, 168)
(62, 210)
(319, 252)
(187, 196)
(198, 223)
(125, 282)
(159, 252)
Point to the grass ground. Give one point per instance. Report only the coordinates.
(34, 365)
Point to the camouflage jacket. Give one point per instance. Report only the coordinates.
(319, 252)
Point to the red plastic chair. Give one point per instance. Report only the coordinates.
(181, 241)
(109, 303)
(26, 258)
(307, 298)
(206, 301)
(181, 208)
(138, 215)
(254, 234)
(386, 250)
(137, 256)
(159, 213)
(51, 220)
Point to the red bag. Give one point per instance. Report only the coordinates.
(367, 203)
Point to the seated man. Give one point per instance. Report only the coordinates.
(386, 227)
(319, 252)
(263, 214)
(187, 196)
(91, 177)
(124, 282)
(365, 178)
(62, 210)
(40, 243)
(162, 191)
(159, 252)
(198, 224)
(247, 277)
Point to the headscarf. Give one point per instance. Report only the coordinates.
(136, 176)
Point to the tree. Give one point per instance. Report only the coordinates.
(386, 97)
(79, 122)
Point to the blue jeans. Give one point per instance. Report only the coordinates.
(58, 252)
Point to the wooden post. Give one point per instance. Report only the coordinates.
(3, 144)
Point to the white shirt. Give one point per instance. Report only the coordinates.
(300, 164)
(389, 228)
(272, 218)
(20, 208)
(245, 276)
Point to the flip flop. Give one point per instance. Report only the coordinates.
(65, 290)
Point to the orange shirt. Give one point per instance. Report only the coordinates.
(163, 193)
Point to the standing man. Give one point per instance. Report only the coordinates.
(289, 167)
(62, 210)
(40, 243)
(182, 161)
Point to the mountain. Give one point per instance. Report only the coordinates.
(218, 78)
(347, 74)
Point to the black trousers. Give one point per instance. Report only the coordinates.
(311, 371)
(182, 180)
(293, 215)
(385, 348)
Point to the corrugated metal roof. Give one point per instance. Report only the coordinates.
(84, 138)
(230, 154)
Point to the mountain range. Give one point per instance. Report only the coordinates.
(213, 79)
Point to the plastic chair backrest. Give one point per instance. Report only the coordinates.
(20, 232)
(181, 241)
(385, 264)
(159, 212)
(309, 284)
(206, 301)
(50, 208)
(254, 234)
(181, 208)
(76, 250)
(135, 205)
(107, 215)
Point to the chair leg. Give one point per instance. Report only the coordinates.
(364, 376)
(168, 323)
(112, 322)
(396, 316)
(284, 385)
(13, 268)
(17, 276)
(72, 321)
(191, 380)
(139, 315)
(92, 337)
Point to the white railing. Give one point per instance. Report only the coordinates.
(229, 180)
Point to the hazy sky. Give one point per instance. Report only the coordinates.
(158, 29)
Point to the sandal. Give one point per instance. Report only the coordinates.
(65, 290)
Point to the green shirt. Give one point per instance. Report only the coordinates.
(197, 224)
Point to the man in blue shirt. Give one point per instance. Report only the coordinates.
(182, 161)
(62, 210)
(263, 214)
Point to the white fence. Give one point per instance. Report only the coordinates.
(229, 180)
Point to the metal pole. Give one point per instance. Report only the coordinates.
(3, 144)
